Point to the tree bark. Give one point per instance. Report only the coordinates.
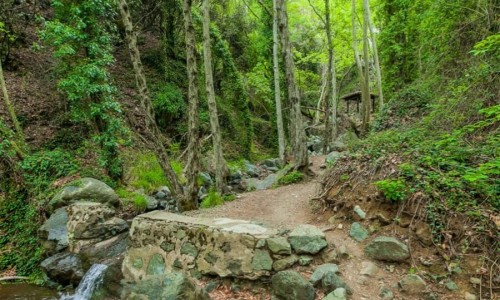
(220, 163)
(366, 104)
(277, 90)
(331, 107)
(191, 194)
(153, 134)
(12, 113)
(297, 133)
(375, 58)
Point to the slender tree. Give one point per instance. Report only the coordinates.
(190, 201)
(373, 41)
(297, 130)
(366, 101)
(12, 112)
(152, 133)
(220, 163)
(362, 70)
(277, 90)
(331, 107)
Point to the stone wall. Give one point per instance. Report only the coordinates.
(162, 242)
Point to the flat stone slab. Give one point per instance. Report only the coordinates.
(167, 242)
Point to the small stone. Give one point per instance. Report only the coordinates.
(386, 294)
(330, 256)
(262, 261)
(211, 286)
(412, 284)
(305, 260)
(359, 212)
(475, 280)
(451, 285)
(279, 245)
(321, 271)
(332, 281)
(332, 220)
(290, 285)
(469, 296)
(431, 296)
(368, 268)
(343, 251)
(307, 239)
(285, 263)
(362, 280)
(260, 244)
(340, 226)
(358, 232)
(337, 294)
(387, 249)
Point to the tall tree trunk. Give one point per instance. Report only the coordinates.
(362, 71)
(191, 195)
(375, 57)
(366, 104)
(277, 90)
(17, 126)
(331, 107)
(297, 133)
(153, 133)
(220, 163)
(322, 95)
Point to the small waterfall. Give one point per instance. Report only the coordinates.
(90, 282)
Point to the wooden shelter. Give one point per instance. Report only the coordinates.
(357, 97)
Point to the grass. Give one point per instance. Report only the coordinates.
(292, 177)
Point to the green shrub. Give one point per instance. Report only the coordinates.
(229, 197)
(212, 199)
(394, 190)
(140, 202)
(292, 177)
(146, 173)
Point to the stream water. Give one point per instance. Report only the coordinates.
(90, 283)
(24, 291)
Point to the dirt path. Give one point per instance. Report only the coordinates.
(282, 207)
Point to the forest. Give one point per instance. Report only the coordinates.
(137, 130)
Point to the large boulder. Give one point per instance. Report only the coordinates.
(170, 286)
(64, 268)
(90, 223)
(84, 189)
(290, 285)
(387, 249)
(54, 232)
(321, 271)
(307, 239)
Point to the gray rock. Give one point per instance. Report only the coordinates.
(386, 294)
(451, 285)
(55, 231)
(170, 286)
(475, 280)
(272, 163)
(152, 203)
(321, 271)
(305, 260)
(156, 265)
(330, 256)
(279, 245)
(387, 249)
(101, 230)
(469, 296)
(359, 212)
(64, 268)
(235, 178)
(338, 146)
(337, 294)
(358, 232)
(307, 239)
(290, 285)
(84, 189)
(202, 193)
(332, 157)
(252, 170)
(412, 284)
(285, 263)
(368, 268)
(105, 250)
(262, 261)
(206, 179)
(332, 281)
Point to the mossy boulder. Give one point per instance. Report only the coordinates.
(387, 249)
(307, 239)
(290, 285)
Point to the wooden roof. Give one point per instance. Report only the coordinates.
(356, 96)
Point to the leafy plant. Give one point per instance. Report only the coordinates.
(292, 177)
(394, 190)
(212, 199)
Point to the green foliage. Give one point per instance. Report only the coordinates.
(168, 104)
(19, 243)
(146, 173)
(229, 197)
(212, 199)
(292, 177)
(393, 190)
(40, 169)
(81, 27)
(140, 202)
(488, 46)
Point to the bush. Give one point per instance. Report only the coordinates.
(292, 177)
(146, 173)
(212, 199)
(394, 190)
